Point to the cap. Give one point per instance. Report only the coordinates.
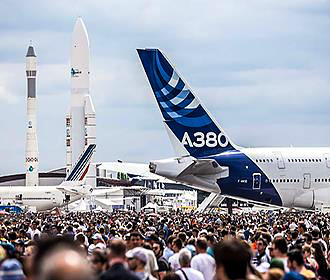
(137, 253)
(11, 269)
(97, 236)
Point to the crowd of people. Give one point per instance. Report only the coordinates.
(266, 245)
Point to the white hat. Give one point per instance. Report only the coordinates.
(97, 236)
(137, 253)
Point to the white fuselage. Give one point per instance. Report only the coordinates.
(42, 198)
(301, 176)
(289, 177)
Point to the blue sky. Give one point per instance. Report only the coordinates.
(261, 67)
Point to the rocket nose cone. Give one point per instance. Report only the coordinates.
(30, 52)
(79, 30)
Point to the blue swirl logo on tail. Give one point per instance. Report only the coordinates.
(181, 109)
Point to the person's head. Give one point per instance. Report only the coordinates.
(201, 245)
(34, 225)
(195, 232)
(183, 237)
(302, 228)
(171, 276)
(80, 237)
(137, 259)
(280, 247)
(117, 250)
(295, 234)
(98, 261)
(136, 239)
(232, 259)
(261, 245)
(184, 258)
(307, 251)
(11, 269)
(59, 259)
(295, 260)
(170, 241)
(308, 238)
(177, 245)
(158, 248)
(274, 274)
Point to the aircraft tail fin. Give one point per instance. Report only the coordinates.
(80, 169)
(192, 130)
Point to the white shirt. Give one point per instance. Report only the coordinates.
(33, 233)
(174, 262)
(151, 265)
(192, 274)
(205, 264)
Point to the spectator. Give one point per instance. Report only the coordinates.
(137, 260)
(279, 251)
(174, 260)
(117, 263)
(98, 261)
(296, 263)
(231, 258)
(186, 272)
(203, 262)
(163, 265)
(261, 256)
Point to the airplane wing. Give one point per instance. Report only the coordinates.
(203, 167)
(138, 169)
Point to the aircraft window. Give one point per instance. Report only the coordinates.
(267, 160)
(276, 180)
(303, 160)
(288, 160)
(319, 180)
(271, 160)
(299, 160)
(296, 160)
(256, 160)
(280, 180)
(290, 180)
(264, 160)
(312, 160)
(322, 180)
(320, 160)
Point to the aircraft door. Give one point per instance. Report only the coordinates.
(307, 181)
(327, 160)
(256, 181)
(279, 159)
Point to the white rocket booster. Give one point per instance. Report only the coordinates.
(80, 119)
(31, 150)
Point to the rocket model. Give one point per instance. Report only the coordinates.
(31, 150)
(80, 119)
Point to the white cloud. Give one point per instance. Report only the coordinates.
(261, 67)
